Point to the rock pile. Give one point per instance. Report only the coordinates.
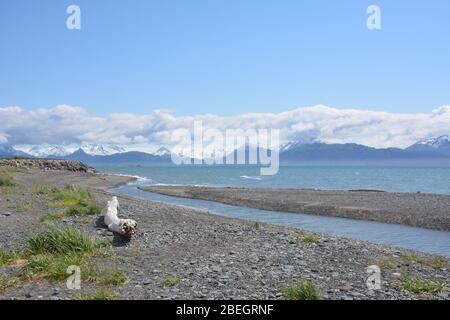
(46, 164)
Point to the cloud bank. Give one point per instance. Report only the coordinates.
(65, 124)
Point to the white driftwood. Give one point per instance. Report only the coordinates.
(126, 227)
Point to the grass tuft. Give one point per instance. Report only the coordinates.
(6, 181)
(8, 257)
(421, 286)
(301, 290)
(23, 207)
(85, 221)
(6, 171)
(50, 217)
(386, 265)
(307, 239)
(71, 193)
(109, 276)
(63, 203)
(83, 209)
(5, 283)
(79, 201)
(62, 241)
(50, 253)
(435, 262)
(49, 266)
(44, 189)
(170, 281)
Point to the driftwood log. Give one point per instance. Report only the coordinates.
(125, 227)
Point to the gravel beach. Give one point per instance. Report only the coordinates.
(181, 253)
(414, 209)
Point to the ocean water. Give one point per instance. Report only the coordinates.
(394, 178)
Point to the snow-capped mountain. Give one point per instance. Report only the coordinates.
(44, 151)
(432, 145)
(161, 152)
(306, 149)
(295, 144)
(101, 150)
(47, 150)
(435, 142)
(9, 151)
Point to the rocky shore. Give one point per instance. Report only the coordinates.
(46, 164)
(181, 253)
(414, 209)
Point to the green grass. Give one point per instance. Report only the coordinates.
(387, 265)
(435, 262)
(49, 266)
(50, 217)
(85, 221)
(7, 257)
(307, 239)
(108, 276)
(301, 290)
(6, 191)
(62, 241)
(170, 281)
(421, 286)
(83, 209)
(23, 207)
(79, 201)
(54, 268)
(50, 253)
(5, 283)
(71, 193)
(44, 189)
(102, 294)
(7, 170)
(64, 203)
(6, 181)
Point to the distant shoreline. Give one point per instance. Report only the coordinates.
(414, 209)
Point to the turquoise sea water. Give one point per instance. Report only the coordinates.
(400, 179)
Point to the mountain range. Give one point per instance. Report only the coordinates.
(46, 151)
(436, 150)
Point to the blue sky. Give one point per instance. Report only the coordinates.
(225, 57)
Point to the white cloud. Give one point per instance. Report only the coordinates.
(67, 124)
